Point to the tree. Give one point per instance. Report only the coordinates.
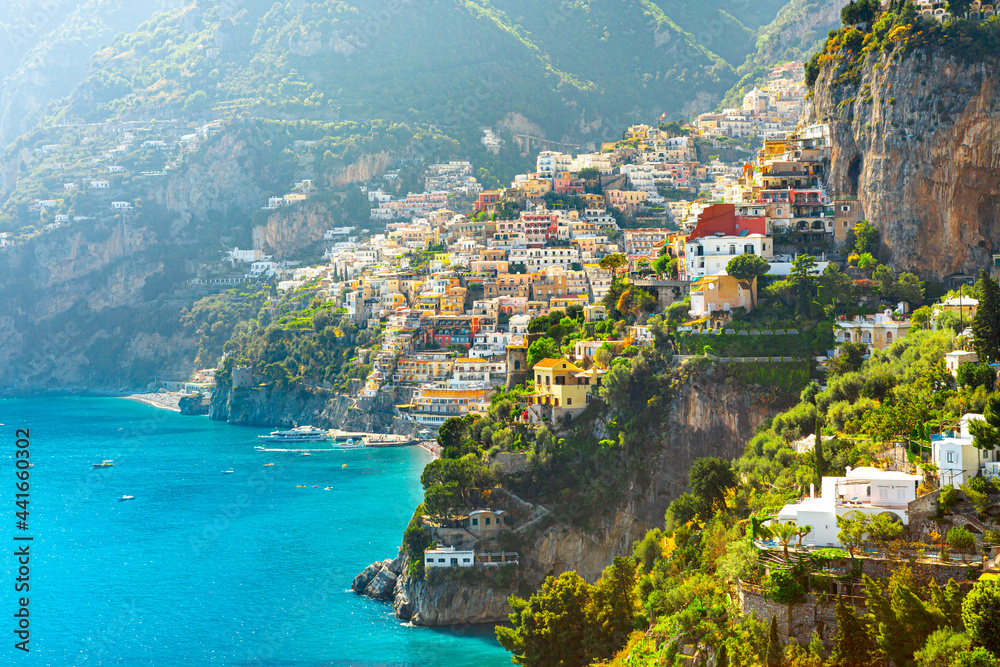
(784, 533)
(550, 628)
(819, 460)
(747, 269)
(976, 375)
(986, 431)
(977, 657)
(852, 531)
(884, 280)
(908, 288)
(853, 645)
(864, 236)
(884, 528)
(543, 348)
(684, 508)
(941, 648)
(835, 286)
(613, 262)
(986, 323)
(850, 358)
(774, 653)
(613, 606)
(959, 8)
(981, 615)
(711, 478)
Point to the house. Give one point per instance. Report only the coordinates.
(957, 457)
(485, 521)
(586, 349)
(862, 491)
(121, 205)
(720, 292)
(877, 331)
(100, 185)
(563, 387)
(956, 358)
(449, 557)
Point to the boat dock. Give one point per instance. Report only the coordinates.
(374, 439)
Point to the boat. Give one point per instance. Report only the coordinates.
(105, 464)
(261, 448)
(228, 472)
(327, 488)
(268, 464)
(306, 454)
(124, 498)
(297, 434)
(348, 444)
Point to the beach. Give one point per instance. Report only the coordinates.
(163, 400)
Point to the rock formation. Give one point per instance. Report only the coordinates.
(710, 416)
(917, 139)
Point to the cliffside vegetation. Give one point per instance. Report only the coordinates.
(902, 30)
(688, 570)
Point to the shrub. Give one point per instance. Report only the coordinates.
(783, 587)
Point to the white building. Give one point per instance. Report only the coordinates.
(100, 185)
(550, 163)
(865, 490)
(536, 259)
(957, 457)
(449, 557)
(709, 255)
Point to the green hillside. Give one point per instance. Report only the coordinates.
(577, 69)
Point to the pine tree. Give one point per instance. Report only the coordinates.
(986, 323)
(853, 645)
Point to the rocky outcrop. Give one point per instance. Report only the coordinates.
(288, 406)
(290, 230)
(710, 416)
(917, 139)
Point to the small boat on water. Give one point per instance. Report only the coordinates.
(124, 498)
(268, 464)
(327, 488)
(105, 464)
(228, 472)
(260, 448)
(306, 454)
(297, 434)
(348, 444)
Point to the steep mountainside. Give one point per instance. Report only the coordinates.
(709, 416)
(46, 49)
(916, 136)
(572, 68)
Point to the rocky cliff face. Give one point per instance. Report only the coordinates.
(269, 406)
(291, 230)
(710, 416)
(96, 304)
(918, 141)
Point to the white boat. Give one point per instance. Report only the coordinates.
(228, 472)
(306, 454)
(260, 448)
(124, 498)
(349, 444)
(297, 434)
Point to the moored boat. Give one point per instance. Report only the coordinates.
(297, 434)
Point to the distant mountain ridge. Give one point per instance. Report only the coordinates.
(574, 69)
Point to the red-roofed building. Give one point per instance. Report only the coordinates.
(722, 219)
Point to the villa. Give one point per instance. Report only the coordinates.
(861, 491)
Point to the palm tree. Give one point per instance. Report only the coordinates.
(784, 533)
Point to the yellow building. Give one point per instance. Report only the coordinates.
(564, 302)
(413, 370)
(562, 387)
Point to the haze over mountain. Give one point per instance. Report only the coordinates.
(570, 70)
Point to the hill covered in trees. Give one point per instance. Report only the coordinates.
(570, 68)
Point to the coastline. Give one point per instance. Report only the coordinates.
(162, 400)
(431, 447)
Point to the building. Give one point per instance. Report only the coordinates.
(862, 491)
(720, 292)
(449, 557)
(956, 358)
(485, 521)
(435, 405)
(562, 387)
(876, 331)
(957, 457)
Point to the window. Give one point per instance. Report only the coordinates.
(454, 561)
(475, 522)
(440, 560)
(465, 560)
(951, 457)
(569, 401)
(487, 521)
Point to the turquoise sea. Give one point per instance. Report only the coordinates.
(249, 568)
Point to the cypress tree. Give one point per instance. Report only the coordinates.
(986, 323)
(853, 645)
(818, 453)
(775, 649)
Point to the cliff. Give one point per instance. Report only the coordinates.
(273, 406)
(709, 416)
(917, 138)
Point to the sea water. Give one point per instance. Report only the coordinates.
(204, 568)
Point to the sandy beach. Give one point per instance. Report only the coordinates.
(432, 447)
(163, 400)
